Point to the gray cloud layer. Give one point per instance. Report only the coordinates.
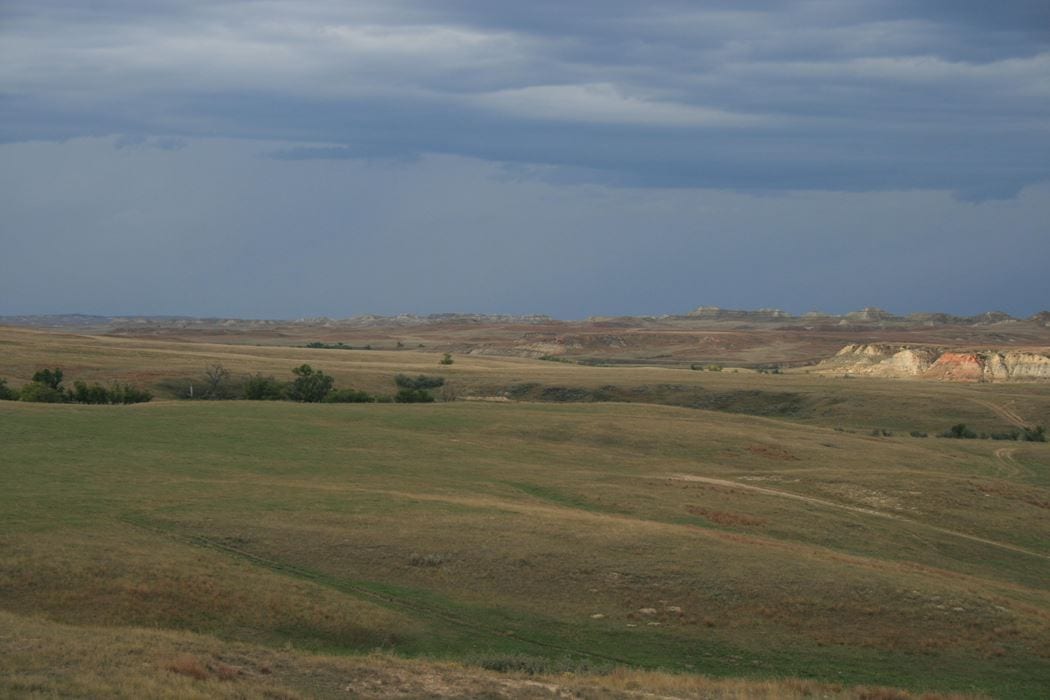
(281, 158)
(745, 95)
(216, 228)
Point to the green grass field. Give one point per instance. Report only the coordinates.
(750, 542)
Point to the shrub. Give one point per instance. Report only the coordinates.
(125, 393)
(309, 385)
(413, 396)
(6, 392)
(918, 434)
(1012, 435)
(421, 382)
(959, 431)
(41, 393)
(427, 559)
(216, 383)
(349, 396)
(263, 388)
(449, 392)
(328, 346)
(95, 394)
(446, 360)
(1036, 434)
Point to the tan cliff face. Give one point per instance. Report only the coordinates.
(924, 362)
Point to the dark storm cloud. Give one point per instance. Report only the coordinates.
(742, 95)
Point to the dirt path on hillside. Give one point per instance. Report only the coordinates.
(1007, 414)
(855, 509)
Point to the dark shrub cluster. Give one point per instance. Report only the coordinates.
(46, 387)
(421, 382)
(960, 431)
(350, 396)
(416, 389)
(318, 345)
(1036, 434)
(6, 392)
(263, 388)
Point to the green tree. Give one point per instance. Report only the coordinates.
(49, 378)
(309, 385)
(6, 392)
(41, 393)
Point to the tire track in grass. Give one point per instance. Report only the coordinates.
(856, 509)
(1007, 414)
(386, 599)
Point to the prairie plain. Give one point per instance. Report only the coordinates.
(647, 529)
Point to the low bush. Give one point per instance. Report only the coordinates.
(94, 394)
(318, 345)
(264, 388)
(349, 396)
(6, 392)
(959, 431)
(421, 382)
(126, 394)
(117, 393)
(427, 560)
(918, 434)
(1036, 434)
(413, 396)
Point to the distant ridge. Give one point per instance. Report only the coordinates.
(869, 316)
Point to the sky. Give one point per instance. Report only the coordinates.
(286, 159)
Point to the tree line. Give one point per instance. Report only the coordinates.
(307, 385)
(46, 387)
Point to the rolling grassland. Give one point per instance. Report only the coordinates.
(689, 534)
